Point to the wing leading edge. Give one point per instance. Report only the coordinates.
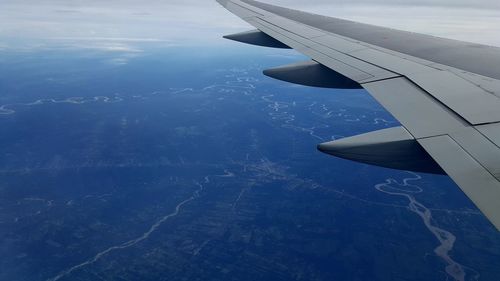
(445, 93)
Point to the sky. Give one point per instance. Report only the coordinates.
(118, 25)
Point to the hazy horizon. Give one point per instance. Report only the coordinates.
(119, 25)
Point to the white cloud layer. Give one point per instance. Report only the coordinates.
(204, 21)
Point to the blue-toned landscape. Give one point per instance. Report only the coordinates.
(181, 163)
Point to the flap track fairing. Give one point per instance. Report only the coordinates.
(391, 148)
(256, 37)
(311, 73)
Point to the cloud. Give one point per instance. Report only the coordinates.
(108, 47)
(66, 11)
(483, 4)
(118, 61)
(162, 20)
(204, 21)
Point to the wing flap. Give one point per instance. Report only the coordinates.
(492, 132)
(474, 180)
(419, 113)
(340, 44)
(481, 148)
(468, 100)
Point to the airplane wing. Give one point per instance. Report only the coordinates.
(445, 93)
